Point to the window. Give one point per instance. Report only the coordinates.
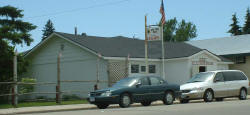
(144, 81)
(143, 68)
(202, 69)
(240, 59)
(154, 81)
(231, 76)
(134, 68)
(219, 77)
(151, 68)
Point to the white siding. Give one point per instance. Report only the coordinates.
(76, 64)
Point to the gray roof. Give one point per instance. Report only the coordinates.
(225, 46)
(122, 46)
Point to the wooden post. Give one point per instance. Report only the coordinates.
(15, 93)
(58, 91)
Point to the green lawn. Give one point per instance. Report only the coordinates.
(32, 104)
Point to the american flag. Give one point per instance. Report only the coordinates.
(162, 13)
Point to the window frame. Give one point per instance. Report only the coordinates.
(149, 68)
(137, 67)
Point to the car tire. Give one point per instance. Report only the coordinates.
(102, 105)
(125, 100)
(219, 99)
(243, 94)
(146, 103)
(184, 101)
(168, 98)
(208, 96)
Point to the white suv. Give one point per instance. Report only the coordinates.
(215, 85)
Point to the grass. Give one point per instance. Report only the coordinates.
(32, 104)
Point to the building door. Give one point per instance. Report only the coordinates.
(202, 69)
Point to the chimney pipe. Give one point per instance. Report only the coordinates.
(75, 30)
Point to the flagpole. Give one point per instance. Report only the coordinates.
(146, 45)
(163, 53)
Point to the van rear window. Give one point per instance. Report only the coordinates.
(231, 76)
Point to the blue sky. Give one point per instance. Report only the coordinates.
(109, 18)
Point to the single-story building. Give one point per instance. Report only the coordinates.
(235, 48)
(86, 58)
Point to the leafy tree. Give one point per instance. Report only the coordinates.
(246, 28)
(48, 29)
(12, 31)
(235, 28)
(178, 32)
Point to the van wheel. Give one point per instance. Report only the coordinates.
(184, 101)
(219, 99)
(102, 105)
(208, 96)
(125, 100)
(146, 103)
(168, 98)
(243, 94)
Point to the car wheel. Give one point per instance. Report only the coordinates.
(168, 98)
(243, 94)
(219, 99)
(146, 103)
(184, 101)
(102, 105)
(208, 96)
(125, 100)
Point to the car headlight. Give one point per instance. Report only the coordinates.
(106, 94)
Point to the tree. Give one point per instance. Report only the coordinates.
(178, 32)
(235, 28)
(246, 28)
(12, 31)
(48, 29)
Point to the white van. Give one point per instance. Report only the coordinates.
(215, 85)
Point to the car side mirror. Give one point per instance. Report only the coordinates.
(138, 85)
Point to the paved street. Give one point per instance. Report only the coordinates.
(234, 107)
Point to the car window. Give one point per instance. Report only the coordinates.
(219, 77)
(154, 81)
(240, 76)
(228, 76)
(144, 81)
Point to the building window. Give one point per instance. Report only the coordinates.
(143, 68)
(134, 68)
(151, 68)
(240, 59)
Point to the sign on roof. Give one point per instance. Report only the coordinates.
(154, 33)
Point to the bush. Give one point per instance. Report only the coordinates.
(27, 88)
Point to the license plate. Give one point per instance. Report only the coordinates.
(91, 99)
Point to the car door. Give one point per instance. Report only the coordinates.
(230, 83)
(219, 86)
(157, 88)
(142, 91)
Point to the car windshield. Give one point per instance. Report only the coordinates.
(201, 77)
(129, 81)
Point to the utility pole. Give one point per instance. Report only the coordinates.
(146, 45)
(15, 93)
(58, 87)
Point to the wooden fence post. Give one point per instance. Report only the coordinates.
(15, 93)
(58, 91)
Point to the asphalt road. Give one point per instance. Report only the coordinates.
(233, 107)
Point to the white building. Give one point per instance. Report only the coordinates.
(81, 61)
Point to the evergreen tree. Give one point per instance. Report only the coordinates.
(15, 31)
(235, 28)
(48, 29)
(246, 28)
(178, 32)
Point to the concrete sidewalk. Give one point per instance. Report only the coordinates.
(55, 108)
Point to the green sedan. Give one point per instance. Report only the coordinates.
(142, 89)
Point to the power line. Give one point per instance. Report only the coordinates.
(78, 9)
